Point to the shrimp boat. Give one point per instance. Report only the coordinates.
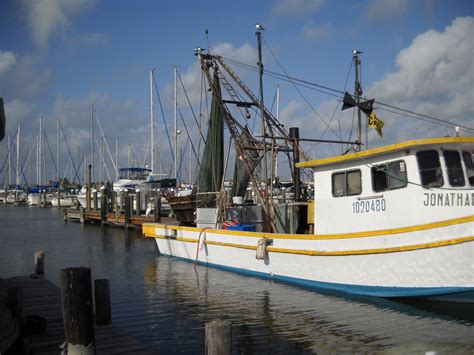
(392, 221)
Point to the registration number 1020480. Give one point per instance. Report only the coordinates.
(369, 206)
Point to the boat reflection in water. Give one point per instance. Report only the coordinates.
(269, 316)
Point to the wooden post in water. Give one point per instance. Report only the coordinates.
(76, 299)
(138, 195)
(88, 188)
(15, 303)
(218, 338)
(116, 205)
(157, 207)
(103, 208)
(94, 194)
(128, 202)
(103, 313)
(39, 263)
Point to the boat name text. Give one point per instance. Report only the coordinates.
(448, 199)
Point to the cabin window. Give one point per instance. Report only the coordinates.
(389, 176)
(467, 157)
(346, 183)
(454, 168)
(430, 168)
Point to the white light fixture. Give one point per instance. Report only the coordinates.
(259, 27)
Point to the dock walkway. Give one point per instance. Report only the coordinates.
(42, 298)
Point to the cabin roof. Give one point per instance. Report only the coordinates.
(383, 150)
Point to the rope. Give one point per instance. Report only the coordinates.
(199, 242)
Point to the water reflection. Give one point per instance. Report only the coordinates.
(165, 302)
(275, 317)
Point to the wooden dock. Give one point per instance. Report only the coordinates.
(42, 298)
(84, 216)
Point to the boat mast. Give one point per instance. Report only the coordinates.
(116, 158)
(175, 111)
(92, 143)
(258, 33)
(57, 150)
(17, 182)
(278, 119)
(40, 152)
(357, 93)
(152, 124)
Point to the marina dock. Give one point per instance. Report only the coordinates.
(42, 298)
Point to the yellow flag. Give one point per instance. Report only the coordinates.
(375, 122)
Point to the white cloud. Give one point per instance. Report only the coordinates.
(7, 61)
(44, 17)
(26, 78)
(381, 10)
(297, 8)
(435, 75)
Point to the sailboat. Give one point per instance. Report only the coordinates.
(393, 221)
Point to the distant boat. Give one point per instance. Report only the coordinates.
(64, 201)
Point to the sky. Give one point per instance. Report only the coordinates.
(59, 57)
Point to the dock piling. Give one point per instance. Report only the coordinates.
(76, 299)
(138, 202)
(218, 337)
(15, 301)
(39, 263)
(103, 313)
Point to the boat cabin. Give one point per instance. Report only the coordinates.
(134, 173)
(401, 185)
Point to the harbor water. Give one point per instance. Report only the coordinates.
(165, 302)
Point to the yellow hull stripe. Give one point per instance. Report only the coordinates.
(331, 253)
(385, 149)
(149, 228)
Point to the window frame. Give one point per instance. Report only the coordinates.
(450, 169)
(470, 179)
(420, 171)
(345, 192)
(388, 178)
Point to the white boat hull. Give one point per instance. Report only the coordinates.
(64, 202)
(414, 263)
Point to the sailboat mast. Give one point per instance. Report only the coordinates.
(57, 150)
(152, 124)
(175, 111)
(17, 182)
(92, 143)
(9, 161)
(357, 93)
(40, 152)
(116, 158)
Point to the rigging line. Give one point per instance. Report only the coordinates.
(181, 161)
(106, 145)
(285, 76)
(50, 152)
(8, 150)
(423, 117)
(163, 117)
(339, 101)
(301, 94)
(69, 152)
(102, 157)
(312, 86)
(189, 102)
(189, 137)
